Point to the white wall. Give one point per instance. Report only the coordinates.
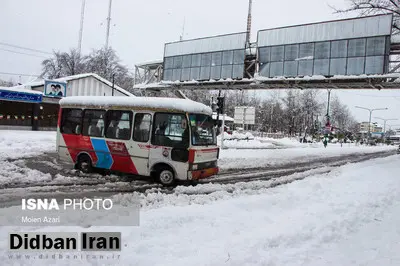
(88, 86)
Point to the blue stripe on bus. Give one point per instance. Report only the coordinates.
(102, 153)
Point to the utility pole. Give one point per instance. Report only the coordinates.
(384, 122)
(183, 29)
(249, 23)
(113, 84)
(384, 125)
(108, 24)
(370, 115)
(81, 27)
(327, 110)
(328, 122)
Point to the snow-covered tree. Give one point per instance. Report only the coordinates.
(4, 83)
(107, 64)
(103, 62)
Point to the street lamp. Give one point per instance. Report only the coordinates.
(384, 122)
(390, 126)
(370, 114)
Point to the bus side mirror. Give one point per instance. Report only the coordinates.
(78, 129)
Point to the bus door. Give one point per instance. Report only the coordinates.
(118, 141)
(140, 144)
(170, 141)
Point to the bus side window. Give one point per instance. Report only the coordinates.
(119, 125)
(71, 120)
(141, 132)
(169, 130)
(93, 123)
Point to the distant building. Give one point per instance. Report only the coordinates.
(378, 129)
(363, 127)
(35, 106)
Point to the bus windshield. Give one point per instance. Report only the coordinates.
(202, 127)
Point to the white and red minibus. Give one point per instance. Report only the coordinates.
(167, 138)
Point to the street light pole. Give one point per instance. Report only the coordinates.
(384, 122)
(370, 115)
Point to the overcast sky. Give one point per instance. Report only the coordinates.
(140, 29)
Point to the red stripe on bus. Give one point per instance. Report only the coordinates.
(117, 147)
(124, 164)
(77, 144)
(191, 156)
(122, 161)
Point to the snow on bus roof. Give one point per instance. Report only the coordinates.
(184, 105)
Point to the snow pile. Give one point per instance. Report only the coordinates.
(240, 136)
(16, 144)
(286, 142)
(253, 158)
(248, 141)
(246, 144)
(16, 172)
(227, 136)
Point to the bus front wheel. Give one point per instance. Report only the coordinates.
(84, 164)
(166, 176)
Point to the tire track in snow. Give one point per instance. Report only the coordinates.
(277, 176)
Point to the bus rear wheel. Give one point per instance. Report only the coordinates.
(84, 164)
(166, 176)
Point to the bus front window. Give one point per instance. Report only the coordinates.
(170, 130)
(202, 127)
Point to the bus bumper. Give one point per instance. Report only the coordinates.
(204, 173)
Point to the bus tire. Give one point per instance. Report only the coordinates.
(166, 176)
(84, 164)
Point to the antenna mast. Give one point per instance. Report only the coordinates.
(108, 24)
(183, 29)
(249, 22)
(81, 28)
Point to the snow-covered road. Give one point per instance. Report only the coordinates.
(28, 157)
(346, 216)
(43, 175)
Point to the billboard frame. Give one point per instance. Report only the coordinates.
(324, 22)
(63, 86)
(385, 60)
(206, 52)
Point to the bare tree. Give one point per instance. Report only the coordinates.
(340, 115)
(103, 62)
(373, 7)
(4, 83)
(73, 63)
(107, 64)
(63, 64)
(52, 67)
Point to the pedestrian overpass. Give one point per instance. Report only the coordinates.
(358, 53)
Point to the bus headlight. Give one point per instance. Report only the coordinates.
(194, 167)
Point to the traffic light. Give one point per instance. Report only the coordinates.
(214, 106)
(220, 104)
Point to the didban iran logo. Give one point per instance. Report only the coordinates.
(63, 241)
